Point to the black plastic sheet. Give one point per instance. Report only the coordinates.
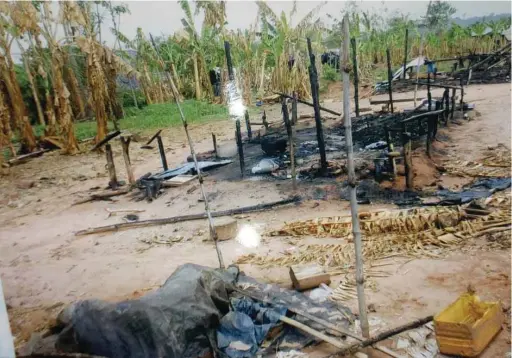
(178, 320)
(481, 188)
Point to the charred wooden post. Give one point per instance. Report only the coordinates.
(125, 144)
(430, 131)
(390, 79)
(388, 138)
(162, 152)
(295, 117)
(454, 91)
(240, 146)
(113, 183)
(405, 50)
(392, 162)
(214, 140)
(248, 124)
(229, 62)
(435, 124)
(264, 120)
(429, 94)
(407, 160)
(356, 74)
(446, 98)
(462, 97)
(289, 131)
(313, 78)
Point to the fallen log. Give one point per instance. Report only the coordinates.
(175, 219)
(383, 335)
(22, 158)
(104, 195)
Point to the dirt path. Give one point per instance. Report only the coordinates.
(43, 263)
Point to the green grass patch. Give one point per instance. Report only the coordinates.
(167, 115)
(154, 116)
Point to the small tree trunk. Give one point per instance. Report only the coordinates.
(40, 115)
(63, 106)
(75, 94)
(196, 78)
(51, 129)
(262, 76)
(28, 140)
(5, 125)
(176, 77)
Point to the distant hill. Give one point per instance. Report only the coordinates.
(472, 20)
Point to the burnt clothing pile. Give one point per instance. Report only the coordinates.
(215, 80)
(331, 58)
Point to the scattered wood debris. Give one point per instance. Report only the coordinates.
(305, 277)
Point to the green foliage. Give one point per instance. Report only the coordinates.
(26, 92)
(439, 14)
(330, 74)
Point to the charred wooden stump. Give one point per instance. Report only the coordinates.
(113, 183)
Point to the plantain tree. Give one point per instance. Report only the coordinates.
(10, 87)
(283, 40)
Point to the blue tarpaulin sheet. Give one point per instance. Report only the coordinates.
(243, 329)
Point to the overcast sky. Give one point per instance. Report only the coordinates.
(164, 17)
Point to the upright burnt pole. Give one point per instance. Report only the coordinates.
(233, 96)
(176, 95)
(363, 318)
(390, 80)
(313, 79)
(405, 51)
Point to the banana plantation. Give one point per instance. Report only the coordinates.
(66, 74)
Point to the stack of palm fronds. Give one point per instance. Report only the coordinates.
(381, 222)
(419, 232)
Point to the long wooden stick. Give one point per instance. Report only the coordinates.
(176, 95)
(352, 181)
(103, 195)
(107, 139)
(356, 75)
(175, 219)
(384, 335)
(21, 158)
(318, 320)
(309, 104)
(420, 56)
(311, 331)
(405, 50)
